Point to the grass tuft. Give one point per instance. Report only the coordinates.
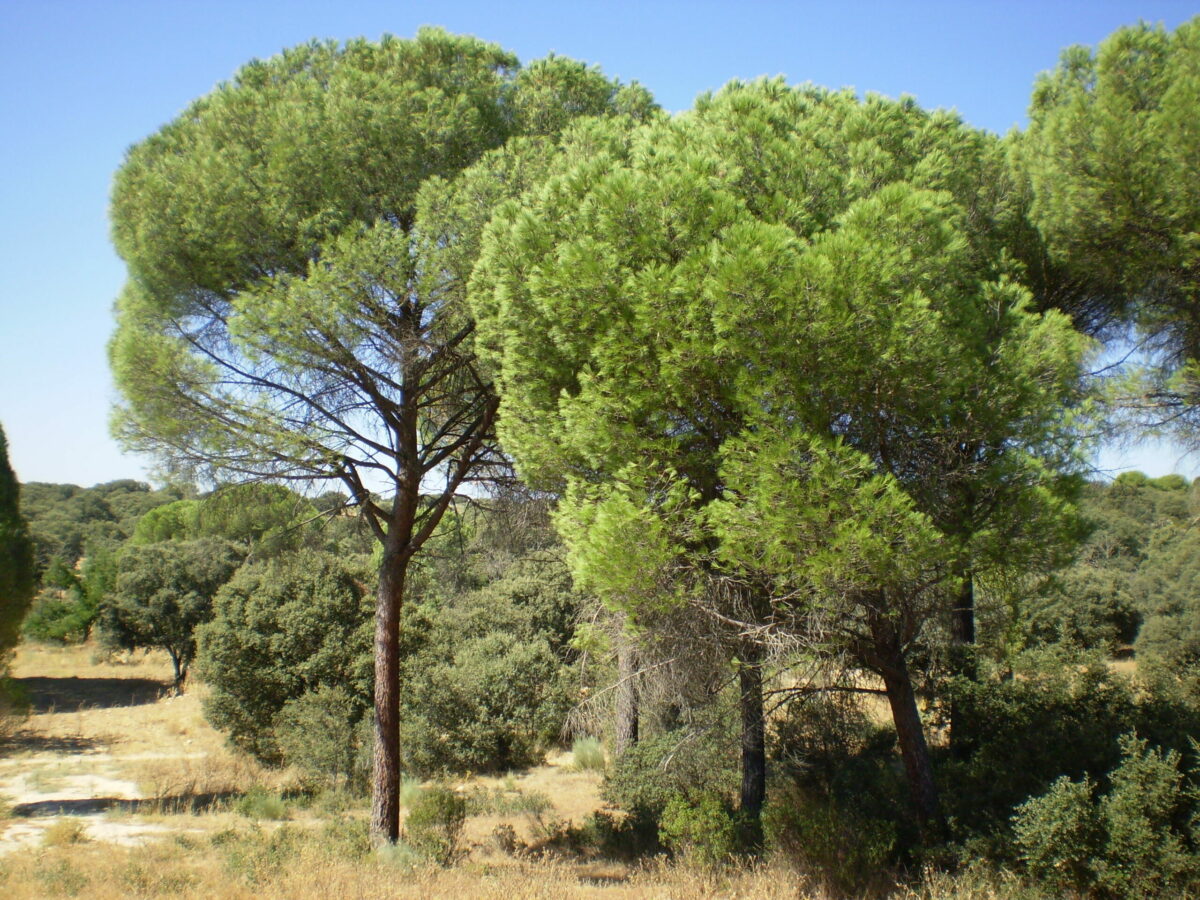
(64, 833)
(588, 755)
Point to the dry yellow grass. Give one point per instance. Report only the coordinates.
(117, 758)
(172, 869)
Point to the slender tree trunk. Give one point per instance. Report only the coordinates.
(754, 746)
(180, 673)
(964, 660)
(964, 617)
(918, 767)
(385, 764)
(628, 709)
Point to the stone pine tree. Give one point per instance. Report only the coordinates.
(1111, 156)
(756, 343)
(289, 314)
(16, 556)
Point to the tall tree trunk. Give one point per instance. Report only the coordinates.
(385, 765)
(889, 656)
(628, 707)
(754, 746)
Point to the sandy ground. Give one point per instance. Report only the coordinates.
(99, 728)
(109, 747)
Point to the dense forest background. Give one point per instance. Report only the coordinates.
(503, 660)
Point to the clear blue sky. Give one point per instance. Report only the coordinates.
(81, 81)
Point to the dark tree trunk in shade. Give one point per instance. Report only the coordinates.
(628, 711)
(918, 768)
(385, 796)
(964, 661)
(754, 746)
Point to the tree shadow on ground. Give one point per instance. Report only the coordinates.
(73, 694)
(32, 742)
(191, 803)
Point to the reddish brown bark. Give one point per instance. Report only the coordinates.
(918, 768)
(385, 781)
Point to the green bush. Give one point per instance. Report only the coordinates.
(847, 850)
(1059, 833)
(55, 619)
(672, 765)
(259, 803)
(318, 733)
(1136, 839)
(280, 630)
(700, 828)
(435, 822)
(495, 704)
(485, 683)
(1061, 714)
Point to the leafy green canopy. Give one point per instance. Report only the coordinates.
(281, 630)
(785, 325)
(1111, 154)
(164, 592)
(16, 555)
(278, 309)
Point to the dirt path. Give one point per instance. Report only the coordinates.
(104, 746)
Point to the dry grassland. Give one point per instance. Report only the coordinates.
(113, 788)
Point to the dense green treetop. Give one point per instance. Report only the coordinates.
(1111, 154)
(780, 262)
(163, 592)
(17, 576)
(256, 276)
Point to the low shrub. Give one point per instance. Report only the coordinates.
(658, 769)
(485, 704)
(59, 619)
(1061, 715)
(435, 822)
(256, 855)
(849, 851)
(64, 832)
(259, 803)
(701, 829)
(318, 733)
(1134, 840)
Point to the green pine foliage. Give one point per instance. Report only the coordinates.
(1111, 155)
(16, 556)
